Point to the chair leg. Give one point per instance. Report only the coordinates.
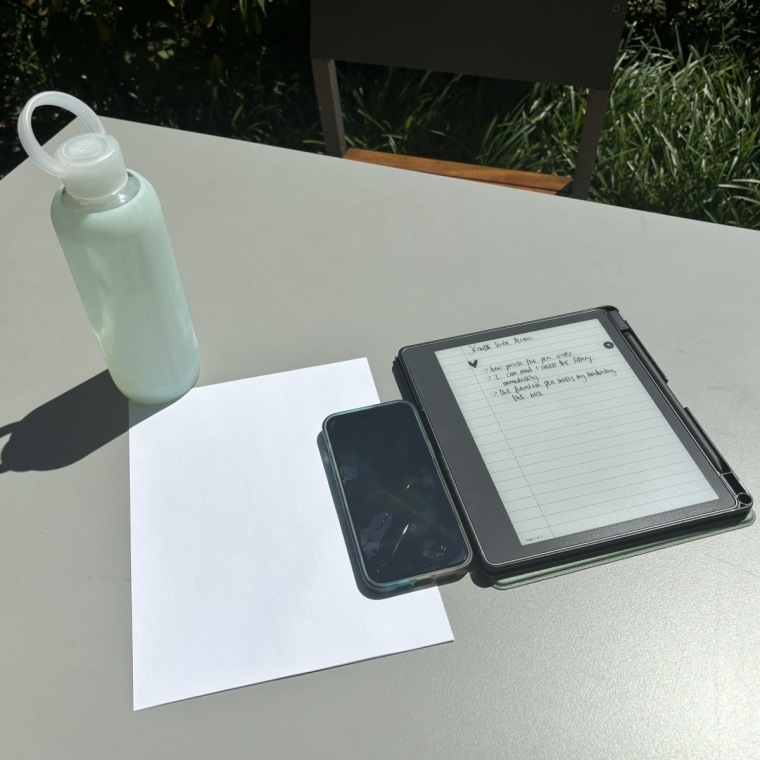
(328, 100)
(593, 120)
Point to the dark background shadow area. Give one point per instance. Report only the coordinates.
(65, 429)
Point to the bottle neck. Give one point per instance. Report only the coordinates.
(121, 198)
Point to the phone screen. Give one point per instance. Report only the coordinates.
(403, 521)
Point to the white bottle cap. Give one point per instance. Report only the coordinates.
(90, 165)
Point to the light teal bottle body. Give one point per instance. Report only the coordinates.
(122, 262)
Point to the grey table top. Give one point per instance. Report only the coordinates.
(291, 260)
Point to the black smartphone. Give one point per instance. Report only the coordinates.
(403, 523)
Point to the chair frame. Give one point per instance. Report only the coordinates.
(568, 42)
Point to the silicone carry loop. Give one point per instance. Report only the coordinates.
(26, 134)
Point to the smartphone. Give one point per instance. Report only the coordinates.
(400, 516)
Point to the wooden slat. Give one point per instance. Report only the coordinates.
(540, 183)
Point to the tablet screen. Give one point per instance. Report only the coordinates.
(569, 434)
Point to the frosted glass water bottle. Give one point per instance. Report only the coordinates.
(109, 222)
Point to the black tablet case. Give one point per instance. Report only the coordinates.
(422, 381)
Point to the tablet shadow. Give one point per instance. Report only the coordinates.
(67, 428)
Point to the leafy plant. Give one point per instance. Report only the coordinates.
(681, 135)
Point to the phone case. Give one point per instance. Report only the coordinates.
(396, 509)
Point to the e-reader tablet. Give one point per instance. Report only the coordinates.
(560, 438)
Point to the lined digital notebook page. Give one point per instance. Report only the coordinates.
(570, 436)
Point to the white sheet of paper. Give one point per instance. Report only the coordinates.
(240, 573)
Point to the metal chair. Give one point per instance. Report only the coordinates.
(568, 42)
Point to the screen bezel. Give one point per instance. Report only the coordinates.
(484, 512)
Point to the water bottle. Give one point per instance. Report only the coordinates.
(109, 222)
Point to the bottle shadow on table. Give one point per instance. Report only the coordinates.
(65, 429)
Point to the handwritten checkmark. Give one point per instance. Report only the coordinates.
(473, 364)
